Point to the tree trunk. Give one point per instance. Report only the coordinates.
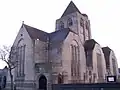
(11, 77)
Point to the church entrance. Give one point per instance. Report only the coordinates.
(42, 83)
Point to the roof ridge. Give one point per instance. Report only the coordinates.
(60, 30)
(34, 28)
(92, 40)
(107, 48)
(35, 33)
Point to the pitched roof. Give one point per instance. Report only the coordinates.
(90, 44)
(59, 35)
(56, 36)
(106, 51)
(36, 33)
(70, 9)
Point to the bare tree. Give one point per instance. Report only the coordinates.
(6, 56)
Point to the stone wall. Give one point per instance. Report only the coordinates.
(99, 65)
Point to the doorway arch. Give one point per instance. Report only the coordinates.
(42, 83)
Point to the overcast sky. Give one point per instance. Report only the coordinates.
(103, 14)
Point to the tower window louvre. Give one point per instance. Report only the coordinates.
(70, 23)
(61, 25)
(75, 60)
(81, 22)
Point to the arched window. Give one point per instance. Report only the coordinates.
(20, 57)
(87, 25)
(81, 22)
(61, 25)
(70, 23)
(75, 62)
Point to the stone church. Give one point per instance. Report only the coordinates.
(67, 55)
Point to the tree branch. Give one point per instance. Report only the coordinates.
(11, 62)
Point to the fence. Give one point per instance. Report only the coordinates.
(97, 86)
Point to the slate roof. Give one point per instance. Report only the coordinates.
(59, 35)
(36, 33)
(1, 71)
(56, 36)
(106, 51)
(89, 44)
(70, 9)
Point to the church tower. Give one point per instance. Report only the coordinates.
(79, 23)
